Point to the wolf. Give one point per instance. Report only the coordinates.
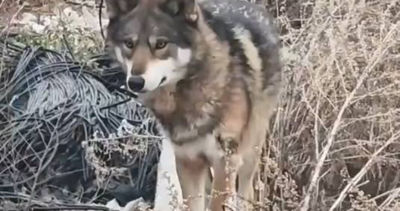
(210, 71)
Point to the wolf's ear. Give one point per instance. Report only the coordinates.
(187, 8)
(119, 7)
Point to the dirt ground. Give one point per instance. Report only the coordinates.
(51, 22)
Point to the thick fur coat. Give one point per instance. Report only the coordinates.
(210, 72)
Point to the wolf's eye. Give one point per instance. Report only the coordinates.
(160, 44)
(129, 44)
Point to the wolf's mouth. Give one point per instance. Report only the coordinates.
(162, 81)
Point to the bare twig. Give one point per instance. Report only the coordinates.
(363, 171)
(12, 19)
(394, 194)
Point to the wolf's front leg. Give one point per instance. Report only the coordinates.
(225, 174)
(193, 175)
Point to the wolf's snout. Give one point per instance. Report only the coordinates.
(136, 83)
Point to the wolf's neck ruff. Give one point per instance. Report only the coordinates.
(191, 109)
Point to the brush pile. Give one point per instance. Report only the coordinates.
(335, 138)
(68, 135)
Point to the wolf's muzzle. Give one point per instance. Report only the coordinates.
(136, 83)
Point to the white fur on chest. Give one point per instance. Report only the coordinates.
(204, 146)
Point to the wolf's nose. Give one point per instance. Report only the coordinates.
(136, 83)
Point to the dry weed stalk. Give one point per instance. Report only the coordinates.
(363, 171)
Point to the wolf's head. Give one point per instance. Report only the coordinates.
(152, 39)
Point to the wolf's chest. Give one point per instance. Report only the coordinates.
(205, 147)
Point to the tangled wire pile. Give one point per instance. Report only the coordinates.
(68, 135)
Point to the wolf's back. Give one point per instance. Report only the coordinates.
(254, 24)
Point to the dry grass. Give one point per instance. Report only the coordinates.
(335, 138)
